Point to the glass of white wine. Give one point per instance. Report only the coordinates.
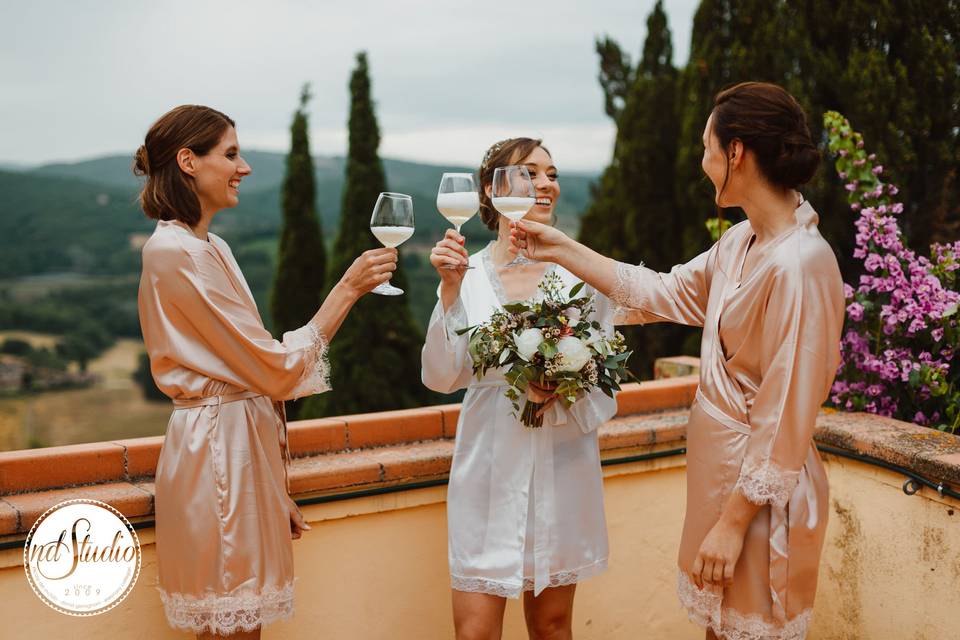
(513, 195)
(392, 224)
(457, 200)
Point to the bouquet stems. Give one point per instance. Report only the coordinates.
(530, 416)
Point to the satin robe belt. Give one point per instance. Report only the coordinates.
(278, 407)
(544, 500)
(711, 409)
(778, 523)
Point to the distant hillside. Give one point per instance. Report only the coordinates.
(78, 217)
(259, 203)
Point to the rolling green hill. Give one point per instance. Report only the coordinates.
(81, 221)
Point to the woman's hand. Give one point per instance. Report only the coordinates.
(370, 269)
(718, 555)
(297, 524)
(450, 259)
(539, 241)
(542, 394)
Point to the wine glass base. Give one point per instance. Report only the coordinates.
(386, 289)
(519, 261)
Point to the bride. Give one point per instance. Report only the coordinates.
(524, 506)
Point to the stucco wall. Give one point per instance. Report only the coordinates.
(375, 568)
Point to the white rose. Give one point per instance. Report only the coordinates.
(528, 342)
(575, 353)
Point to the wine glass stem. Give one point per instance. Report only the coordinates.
(457, 227)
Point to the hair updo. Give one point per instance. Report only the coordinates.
(771, 123)
(169, 193)
(504, 153)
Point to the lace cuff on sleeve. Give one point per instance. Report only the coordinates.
(316, 370)
(623, 294)
(766, 483)
(454, 319)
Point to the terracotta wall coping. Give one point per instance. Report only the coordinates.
(338, 455)
(340, 471)
(133, 459)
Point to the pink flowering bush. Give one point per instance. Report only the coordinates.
(900, 342)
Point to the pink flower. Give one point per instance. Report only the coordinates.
(855, 311)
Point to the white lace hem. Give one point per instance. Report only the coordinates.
(622, 295)
(704, 607)
(766, 483)
(226, 614)
(513, 590)
(316, 372)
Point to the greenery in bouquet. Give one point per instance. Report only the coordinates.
(553, 343)
(900, 342)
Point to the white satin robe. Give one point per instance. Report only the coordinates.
(770, 350)
(524, 506)
(224, 554)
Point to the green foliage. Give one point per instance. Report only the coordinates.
(85, 341)
(890, 66)
(15, 347)
(299, 278)
(144, 379)
(375, 356)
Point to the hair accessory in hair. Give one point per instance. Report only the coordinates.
(492, 151)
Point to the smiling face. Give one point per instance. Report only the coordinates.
(543, 173)
(218, 174)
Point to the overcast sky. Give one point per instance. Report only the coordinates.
(83, 78)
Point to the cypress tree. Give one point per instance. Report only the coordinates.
(301, 261)
(375, 357)
(732, 41)
(633, 215)
(891, 67)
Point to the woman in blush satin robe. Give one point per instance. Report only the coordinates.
(224, 519)
(769, 298)
(524, 506)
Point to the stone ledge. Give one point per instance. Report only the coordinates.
(343, 471)
(129, 460)
(928, 452)
(652, 417)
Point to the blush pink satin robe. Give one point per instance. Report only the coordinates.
(771, 347)
(224, 551)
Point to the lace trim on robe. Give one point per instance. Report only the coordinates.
(622, 295)
(454, 319)
(704, 608)
(494, 278)
(227, 614)
(766, 483)
(507, 590)
(316, 371)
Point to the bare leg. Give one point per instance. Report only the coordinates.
(549, 616)
(477, 616)
(240, 635)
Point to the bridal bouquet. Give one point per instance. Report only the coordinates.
(551, 343)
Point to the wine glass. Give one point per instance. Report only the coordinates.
(513, 195)
(457, 200)
(392, 224)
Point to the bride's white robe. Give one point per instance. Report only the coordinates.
(524, 506)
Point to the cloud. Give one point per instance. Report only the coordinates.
(448, 78)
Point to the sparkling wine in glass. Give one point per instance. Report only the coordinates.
(457, 200)
(392, 224)
(513, 195)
